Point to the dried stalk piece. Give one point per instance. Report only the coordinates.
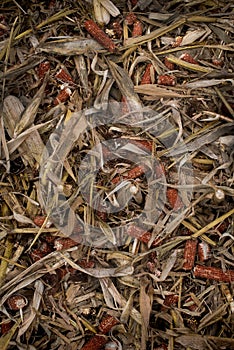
(174, 199)
(12, 110)
(213, 273)
(189, 254)
(102, 16)
(99, 35)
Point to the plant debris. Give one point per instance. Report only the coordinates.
(117, 175)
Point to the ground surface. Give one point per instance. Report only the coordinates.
(117, 178)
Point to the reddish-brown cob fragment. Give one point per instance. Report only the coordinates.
(174, 199)
(95, 343)
(189, 254)
(107, 324)
(213, 273)
(132, 174)
(98, 34)
(146, 78)
(137, 29)
(188, 58)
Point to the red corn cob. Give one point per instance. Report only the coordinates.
(39, 220)
(188, 58)
(64, 243)
(62, 96)
(213, 273)
(107, 323)
(146, 78)
(132, 174)
(42, 69)
(148, 145)
(117, 29)
(137, 29)
(64, 77)
(98, 34)
(169, 64)
(141, 235)
(130, 18)
(167, 80)
(203, 251)
(177, 42)
(95, 343)
(171, 300)
(174, 199)
(189, 254)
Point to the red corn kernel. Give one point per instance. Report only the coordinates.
(43, 68)
(62, 96)
(95, 343)
(98, 34)
(137, 29)
(189, 254)
(146, 78)
(64, 77)
(169, 64)
(177, 42)
(167, 80)
(134, 2)
(130, 18)
(39, 253)
(64, 243)
(213, 273)
(188, 58)
(174, 199)
(107, 324)
(203, 251)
